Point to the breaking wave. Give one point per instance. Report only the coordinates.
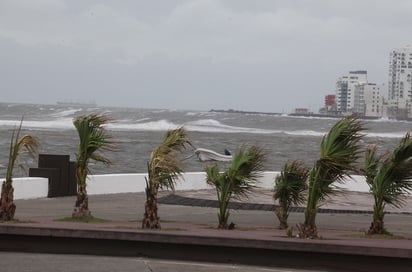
(64, 122)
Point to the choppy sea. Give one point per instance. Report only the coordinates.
(139, 131)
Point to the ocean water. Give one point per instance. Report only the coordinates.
(138, 131)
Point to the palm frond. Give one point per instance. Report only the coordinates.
(291, 183)
(245, 170)
(92, 134)
(237, 181)
(394, 177)
(164, 166)
(27, 144)
(340, 150)
(213, 175)
(93, 138)
(372, 163)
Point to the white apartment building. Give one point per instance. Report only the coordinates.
(399, 85)
(345, 90)
(374, 99)
(359, 101)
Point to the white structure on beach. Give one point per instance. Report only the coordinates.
(400, 83)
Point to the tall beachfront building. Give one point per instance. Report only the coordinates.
(372, 100)
(345, 90)
(399, 85)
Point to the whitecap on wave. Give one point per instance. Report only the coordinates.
(386, 135)
(160, 125)
(65, 113)
(211, 125)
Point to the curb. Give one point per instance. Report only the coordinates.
(336, 255)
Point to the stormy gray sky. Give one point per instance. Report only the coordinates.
(258, 55)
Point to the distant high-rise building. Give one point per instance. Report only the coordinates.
(399, 85)
(371, 100)
(345, 90)
(359, 100)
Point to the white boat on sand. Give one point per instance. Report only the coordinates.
(204, 154)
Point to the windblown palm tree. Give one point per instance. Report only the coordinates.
(389, 178)
(18, 146)
(93, 138)
(163, 170)
(289, 189)
(340, 150)
(237, 181)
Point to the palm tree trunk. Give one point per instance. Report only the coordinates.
(308, 229)
(223, 216)
(81, 208)
(282, 215)
(8, 208)
(223, 197)
(378, 215)
(150, 219)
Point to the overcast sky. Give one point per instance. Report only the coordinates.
(258, 55)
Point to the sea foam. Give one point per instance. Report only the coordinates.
(62, 120)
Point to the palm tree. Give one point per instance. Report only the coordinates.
(93, 138)
(163, 170)
(340, 150)
(237, 181)
(17, 144)
(289, 188)
(389, 177)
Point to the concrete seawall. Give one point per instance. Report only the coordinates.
(28, 187)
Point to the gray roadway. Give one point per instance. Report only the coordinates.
(22, 262)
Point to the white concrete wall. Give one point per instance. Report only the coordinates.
(130, 183)
(115, 183)
(25, 188)
(124, 183)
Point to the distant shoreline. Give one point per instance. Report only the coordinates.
(76, 104)
(282, 114)
(248, 112)
(317, 115)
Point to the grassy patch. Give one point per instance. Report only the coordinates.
(387, 236)
(83, 220)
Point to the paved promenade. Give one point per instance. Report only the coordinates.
(189, 232)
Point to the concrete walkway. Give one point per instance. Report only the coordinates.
(189, 233)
